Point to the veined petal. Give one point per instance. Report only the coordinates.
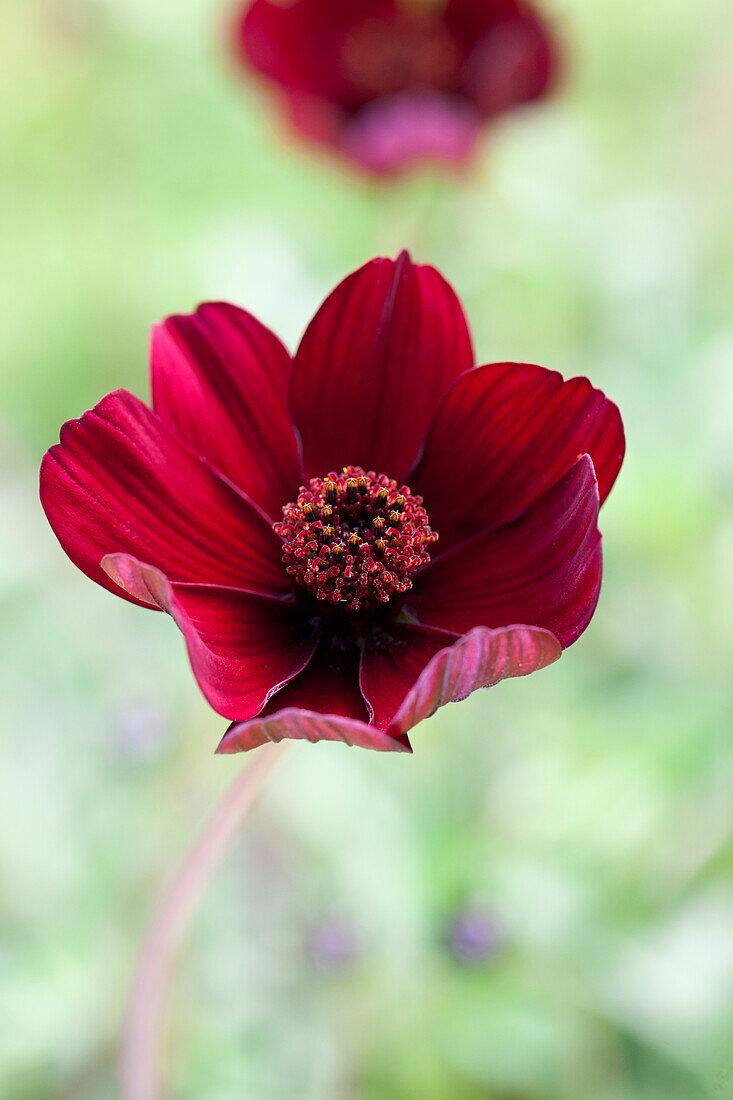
(242, 646)
(221, 382)
(502, 436)
(479, 659)
(306, 725)
(543, 569)
(373, 366)
(329, 684)
(323, 703)
(120, 482)
(391, 663)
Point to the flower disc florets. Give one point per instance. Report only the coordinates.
(355, 538)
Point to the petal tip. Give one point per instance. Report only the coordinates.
(302, 725)
(143, 582)
(481, 658)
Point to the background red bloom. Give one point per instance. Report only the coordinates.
(388, 83)
(351, 538)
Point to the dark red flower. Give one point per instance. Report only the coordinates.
(350, 538)
(390, 82)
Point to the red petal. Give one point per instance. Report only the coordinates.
(373, 366)
(413, 127)
(242, 646)
(513, 59)
(300, 45)
(471, 18)
(503, 435)
(323, 703)
(542, 569)
(305, 725)
(391, 663)
(479, 659)
(329, 685)
(314, 119)
(120, 482)
(220, 381)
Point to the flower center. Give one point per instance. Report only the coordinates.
(382, 57)
(355, 538)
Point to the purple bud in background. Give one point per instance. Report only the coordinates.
(333, 945)
(474, 936)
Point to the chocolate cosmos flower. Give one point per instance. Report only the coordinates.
(350, 538)
(389, 82)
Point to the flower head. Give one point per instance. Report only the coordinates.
(355, 539)
(351, 537)
(391, 82)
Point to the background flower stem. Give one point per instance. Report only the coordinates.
(141, 1058)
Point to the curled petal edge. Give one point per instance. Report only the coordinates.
(306, 725)
(226, 692)
(140, 580)
(481, 658)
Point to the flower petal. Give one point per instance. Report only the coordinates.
(120, 482)
(512, 60)
(299, 45)
(243, 646)
(373, 366)
(543, 569)
(391, 663)
(480, 659)
(469, 18)
(323, 703)
(503, 435)
(306, 725)
(220, 381)
(413, 127)
(312, 118)
(330, 683)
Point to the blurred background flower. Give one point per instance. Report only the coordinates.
(334, 944)
(391, 83)
(473, 936)
(589, 810)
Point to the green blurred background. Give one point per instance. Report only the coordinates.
(539, 904)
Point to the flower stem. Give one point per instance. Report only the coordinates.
(141, 1062)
